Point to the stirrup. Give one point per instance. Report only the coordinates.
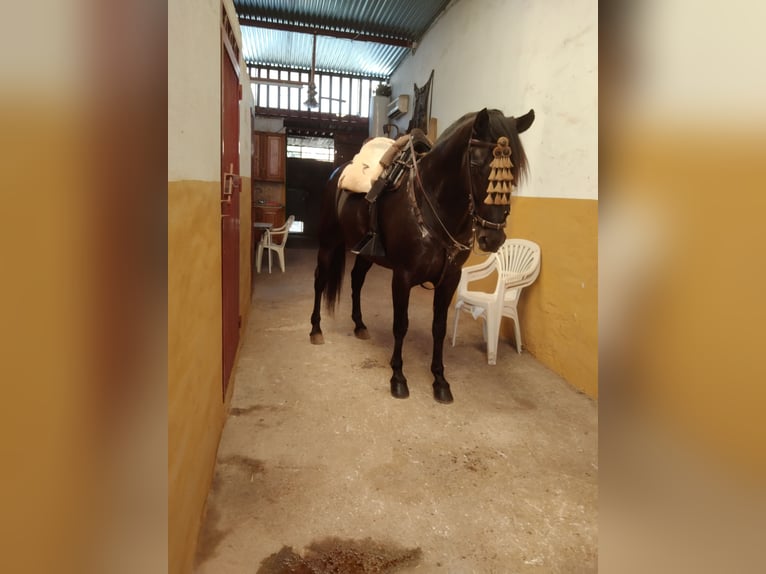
(370, 245)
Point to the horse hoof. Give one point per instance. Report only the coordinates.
(443, 395)
(399, 389)
(317, 339)
(361, 333)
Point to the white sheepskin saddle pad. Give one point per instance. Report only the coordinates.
(365, 168)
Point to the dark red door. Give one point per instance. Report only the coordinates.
(230, 188)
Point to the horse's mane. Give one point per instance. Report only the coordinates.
(499, 125)
(455, 126)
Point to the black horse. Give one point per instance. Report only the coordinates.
(427, 225)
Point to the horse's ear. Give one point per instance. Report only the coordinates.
(524, 122)
(481, 123)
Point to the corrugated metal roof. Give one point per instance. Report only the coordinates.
(279, 33)
(292, 50)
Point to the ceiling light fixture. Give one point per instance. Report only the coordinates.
(312, 102)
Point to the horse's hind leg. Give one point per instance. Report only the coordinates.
(400, 290)
(442, 298)
(358, 273)
(320, 282)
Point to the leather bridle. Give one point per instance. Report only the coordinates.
(457, 246)
(478, 219)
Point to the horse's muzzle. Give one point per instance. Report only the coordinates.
(490, 239)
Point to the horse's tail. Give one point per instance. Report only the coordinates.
(335, 273)
(331, 235)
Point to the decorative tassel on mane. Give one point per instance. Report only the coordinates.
(500, 176)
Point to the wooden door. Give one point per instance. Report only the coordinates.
(230, 187)
(269, 152)
(275, 150)
(257, 156)
(306, 180)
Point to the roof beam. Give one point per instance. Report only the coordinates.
(304, 29)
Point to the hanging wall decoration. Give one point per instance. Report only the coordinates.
(421, 111)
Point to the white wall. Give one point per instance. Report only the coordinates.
(515, 55)
(194, 91)
(245, 121)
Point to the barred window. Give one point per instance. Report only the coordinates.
(288, 90)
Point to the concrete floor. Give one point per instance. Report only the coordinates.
(320, 470)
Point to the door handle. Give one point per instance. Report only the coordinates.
(231, 180)
(228, 188)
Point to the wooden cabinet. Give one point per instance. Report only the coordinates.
(269, 151)
(268, 214)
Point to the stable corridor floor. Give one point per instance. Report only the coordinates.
(320, 470)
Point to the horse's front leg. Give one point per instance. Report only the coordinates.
(400, 291)
(442, 299)
(361, 267)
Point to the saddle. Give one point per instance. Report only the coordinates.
(392, 162)
(366, 167)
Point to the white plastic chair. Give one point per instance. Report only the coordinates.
(274, 240)
(517, 263)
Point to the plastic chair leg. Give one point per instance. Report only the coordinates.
(269, 260)
(492, 327)
(281, 254)
(517, 331)
(454, 324)
(258, 256)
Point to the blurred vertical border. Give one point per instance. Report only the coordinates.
(83, 126)
(682, 245)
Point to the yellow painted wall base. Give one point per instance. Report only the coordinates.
(559, 312)
(691, 332)
(196, 410)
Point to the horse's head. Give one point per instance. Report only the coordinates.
(496, 163)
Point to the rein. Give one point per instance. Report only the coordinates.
(455, 243)
(456, 246)
(475, 217)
